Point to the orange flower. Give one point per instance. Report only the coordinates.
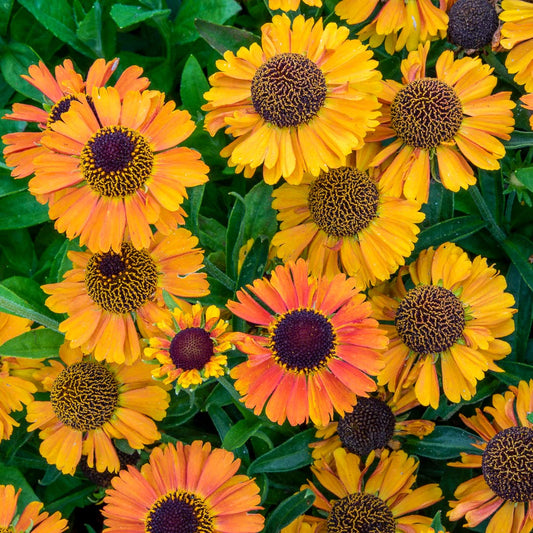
(527, 102)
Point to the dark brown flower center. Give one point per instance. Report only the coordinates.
(117, 161)
(360, 513)
(191, 349)
(288, 90)
(121, 283)
(472, 23)
(370, 426)
(84, 396)
(60, 107)
(303, 340)
(430, 319)
(180, 511)
(508, 464)
(426, 113)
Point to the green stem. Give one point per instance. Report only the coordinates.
(486, 214)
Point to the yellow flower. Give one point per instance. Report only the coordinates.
(292, 5)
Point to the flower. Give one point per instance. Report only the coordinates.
(504, 490)
(516, 36)
(400, 23)
(451, 319)
(380, 499)
(31, 519)
(192, 350)
(316, 349)
(292, 5)
(91, 403)
(299, 103)
(60, 90)
(453, 117)
(184, 484)
(527, 102)
(346, 221)
(106, 293)
(112, 168)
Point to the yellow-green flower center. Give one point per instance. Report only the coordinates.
(84, 396)
(426, 113)
(191, 348)
(121, 283)
(343, 201)
(117, 161)
(288, 90)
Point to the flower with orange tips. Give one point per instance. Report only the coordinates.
(447, 318)
(527, 102)
(184, 484)
(292, 5)
(316, 348)
(504, 490)
(105, 294)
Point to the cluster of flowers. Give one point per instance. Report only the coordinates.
(333, 333)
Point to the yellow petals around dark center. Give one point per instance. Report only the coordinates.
(191, 348)
(507, 464)
(121, 283)
(426, 113)
(179, 511)
(343, 201)
(84, 396)
(360, 513)
(117, 161)
(288, 90)
(430, 319)
(60, 107)
(303, 340)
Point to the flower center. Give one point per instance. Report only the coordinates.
(288, 90)
(430, 319)
(60, 107)
(343, 201)
(84, 396)
(302, 340)
(426, 113)
(508, 464)
(8, 529)
(117, 161)
(180, 511)
(370, 426)
(472, 23)
(191, 349)
(360, 513)
(121, 283)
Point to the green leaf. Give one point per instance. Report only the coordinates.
(9, 475)
(513, 372)
(440, 204)
(17, 246)
(520, 251)
(291, 455)
(240, 432)
(21, 210)
(125, 15)
(288, 510)
(519, 139)
(492, 190)
(529, 416)
(436, 523)
(224, 38)
(255, 261)
(5, 12)
(260, 217)
(15, 58)
(90, 30)
(445, 442)
(192, 207)
(193, 86)
(525, 176)
(235, 236)
(9, 185)
(34, 344)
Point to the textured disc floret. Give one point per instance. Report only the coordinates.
(426, 113)
(121, 283)
(508, 464)
(370, 426)
(430, 319)
(288, 90)
(343, 201)
(117, 161)
(84, 396)
(360, 513)
(302, 340)
(180, 511)
(191, 349)
(60, 107)
(472, 23)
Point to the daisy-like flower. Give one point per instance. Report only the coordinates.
(184, 487)
(374, 424)
(527, 102)
(381, 498)
(504, 490)
(400, 23)
(59, 91)
(452, 118)
(300, 102)
(292, 5)
(192, 349)
(346, 221)
(451, 320)
(316, 348)
(31, 520)
(105, 294)
(517, 37)
(113, 167)
(92, 403)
